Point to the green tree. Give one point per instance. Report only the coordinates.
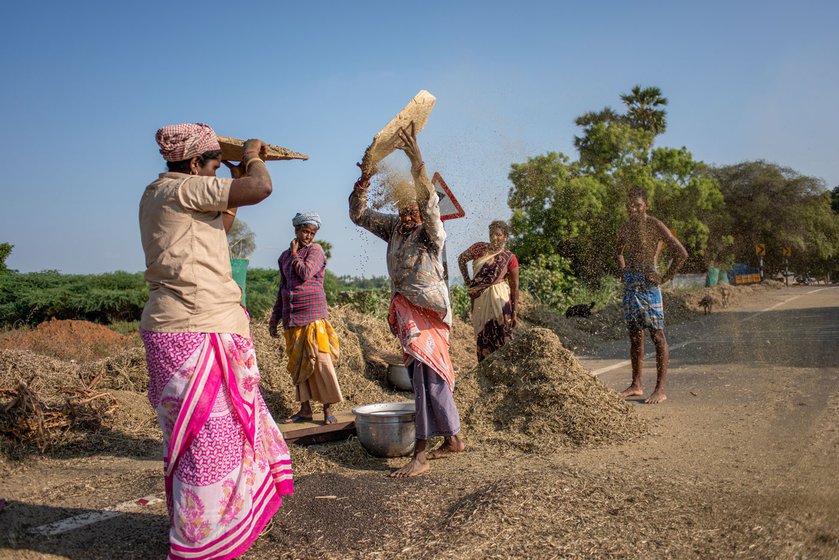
(5, 251)
(549, 279)
(326, 246)
(574, 208)
(779, 207)
(557, 211)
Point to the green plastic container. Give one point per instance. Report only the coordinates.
(724, 277)
(713, 277)
(240, 274)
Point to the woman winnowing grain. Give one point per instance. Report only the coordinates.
(420, 312)
(226, 464)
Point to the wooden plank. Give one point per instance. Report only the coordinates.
(385, 142)
(231, 150)
(305, 433)
(323, 436)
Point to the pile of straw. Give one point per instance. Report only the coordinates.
(534, 395)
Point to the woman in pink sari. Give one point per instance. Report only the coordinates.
(493, 289)
(226, 464)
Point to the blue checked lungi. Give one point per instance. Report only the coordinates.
(642, 304)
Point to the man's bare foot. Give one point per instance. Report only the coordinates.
(452, 444)
(416, 467)
(658, 396)
(632, 391)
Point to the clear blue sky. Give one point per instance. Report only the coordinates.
(87, 84)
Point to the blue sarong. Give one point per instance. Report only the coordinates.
(642, 304)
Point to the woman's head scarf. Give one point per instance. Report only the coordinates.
(306, 218)
(179, 142)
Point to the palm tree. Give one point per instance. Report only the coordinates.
(643, 109)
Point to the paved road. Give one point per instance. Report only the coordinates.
(793, 326)
(753, 409)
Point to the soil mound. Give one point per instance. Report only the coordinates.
(68, 340)
(533, 394)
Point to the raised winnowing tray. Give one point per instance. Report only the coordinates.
(385, 142)
(231, 150)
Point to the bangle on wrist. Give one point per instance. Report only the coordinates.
(250, 161)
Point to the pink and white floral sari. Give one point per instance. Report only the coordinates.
(226, 463)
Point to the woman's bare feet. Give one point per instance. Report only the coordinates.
(417, 466)
(658, 396)
(451, 444)
(633, 391)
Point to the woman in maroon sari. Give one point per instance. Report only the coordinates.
(494, 289)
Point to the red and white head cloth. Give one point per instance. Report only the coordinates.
(184, 141)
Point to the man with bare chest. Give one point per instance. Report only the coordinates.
(640, 241)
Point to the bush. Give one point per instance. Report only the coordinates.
(608, 292)
(261, 291)
(549, 280)
(461, 304)
(31, 298)
(370, 302)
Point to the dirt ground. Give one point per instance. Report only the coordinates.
(740, 462)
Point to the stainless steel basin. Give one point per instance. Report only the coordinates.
(386, 429)
(397, 375)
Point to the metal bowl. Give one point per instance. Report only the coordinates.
(386, 429)
(398, 376)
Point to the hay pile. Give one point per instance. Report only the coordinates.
(367, 347)
(578, 334)
(534, 395)
(608, 323)
(53, 407)
(726, 295)
(347, 455)
(49, 403)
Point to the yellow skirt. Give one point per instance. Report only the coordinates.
(313, 352)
